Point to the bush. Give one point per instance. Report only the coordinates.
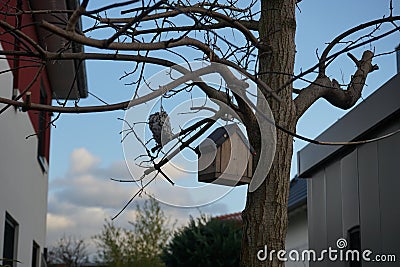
(205, 243)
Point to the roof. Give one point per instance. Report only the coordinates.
(378, 108)
(61, 73)
(221, 134)
(232, 216)
(88, 264)
(297, 193)
(297, 197)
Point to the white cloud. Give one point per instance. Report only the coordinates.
(81, 160)
(58, 222)
(80, 201)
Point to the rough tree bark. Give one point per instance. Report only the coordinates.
(265, 215)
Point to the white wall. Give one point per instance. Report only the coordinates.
(297, 235)
(23, 185)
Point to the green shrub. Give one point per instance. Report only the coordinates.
(205, 243)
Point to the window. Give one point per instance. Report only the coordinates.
(42, 130)
(10, 241)
(35, 254)
(355, 244)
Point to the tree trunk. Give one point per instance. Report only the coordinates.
(265, 215)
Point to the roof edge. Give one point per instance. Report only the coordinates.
(62, 73)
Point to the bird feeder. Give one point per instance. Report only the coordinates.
(225, 157)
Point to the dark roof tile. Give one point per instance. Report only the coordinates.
(222, 133)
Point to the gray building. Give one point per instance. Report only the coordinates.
(354, 191)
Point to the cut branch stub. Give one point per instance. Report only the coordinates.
(331, 91)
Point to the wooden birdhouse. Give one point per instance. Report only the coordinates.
(225, 157)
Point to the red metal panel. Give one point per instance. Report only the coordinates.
(26, 69)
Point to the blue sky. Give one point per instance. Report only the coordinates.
(86, 149)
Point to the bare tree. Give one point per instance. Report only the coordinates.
(68, 250)
(257, 39)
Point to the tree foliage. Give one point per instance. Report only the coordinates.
(206, 243)
(139, 246)
(70, 251)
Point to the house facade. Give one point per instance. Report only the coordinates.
(353, 191)
(25, 136)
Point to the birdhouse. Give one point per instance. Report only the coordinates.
(225, 157)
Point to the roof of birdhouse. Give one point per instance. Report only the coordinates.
(221, 134)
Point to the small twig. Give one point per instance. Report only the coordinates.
(354, 59)
(133, 197)
(166, 177)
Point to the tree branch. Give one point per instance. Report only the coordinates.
(331, 91)
(185, 41)
(241, 25)
(326, 58)
(187, 76)
(76, 16)
(251, 25)
(24, 36)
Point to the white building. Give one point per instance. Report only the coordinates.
(24, 161)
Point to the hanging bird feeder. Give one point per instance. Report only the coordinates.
(160, 127)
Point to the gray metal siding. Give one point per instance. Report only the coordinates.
(333, 205)
(360, 188)
(389, 186)
(369, 198)
(317, 214)
(349, 196)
